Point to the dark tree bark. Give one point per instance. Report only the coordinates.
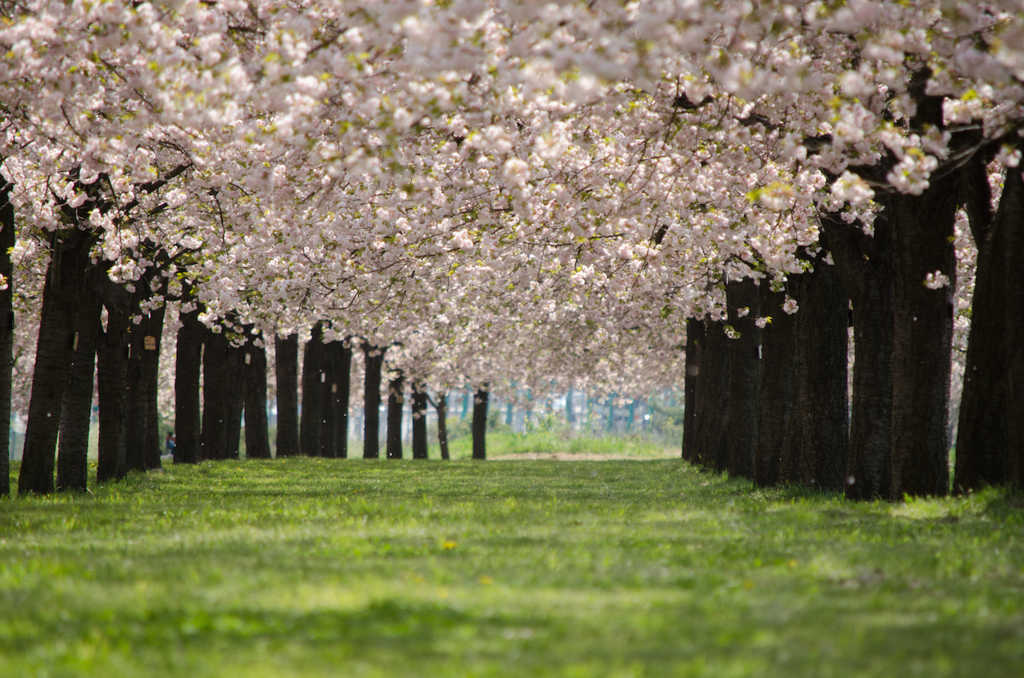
(341, 366)
(743, 376)
(419, 420)
(711, 399)
(215, 396)
(694, 349)
(257, 436)
(371, 417)
(814, 451)
(111, 377)
(64, 280)
(7, 240)
(864, 265)
(1013, 312)
(312, 394)
(777, 388)
(983, 433)
(442, 423)
(1015, 341)
(76, 411)
(137, 401)
(922, 228)
(396, 403)
(286, 365)
(154, 327)
(480, 422)
(235, 403)
(328, 392)
(188, 360)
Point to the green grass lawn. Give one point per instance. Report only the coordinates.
(531, 568)
(564, 443)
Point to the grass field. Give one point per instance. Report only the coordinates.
(533, 568)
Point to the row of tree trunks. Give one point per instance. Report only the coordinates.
(213, 431)
(326, 392)
(898, 439)
(326, 389)
(772, 405)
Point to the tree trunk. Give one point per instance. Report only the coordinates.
(815, 448)
(711, 399)
(328, 393)
(442, 423)
(419, 421)
(257, 436)
(983, 434)
(371, 387)
(76, 411)
(864, 266)
(64, 279)
(137, 399)
(694, 347)
(234, 375)
(777, 384)
(7, 240)
(480, 422)
(1013, 252)
(312, 393)
(342, 389)
(922, 340)
(922, 235)
(111, 372)
(215, 396)
(154, 324)
(142, 435)
(188, 360)
(743, 376)
(396, 403)
(286, 366)
(609, 423)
